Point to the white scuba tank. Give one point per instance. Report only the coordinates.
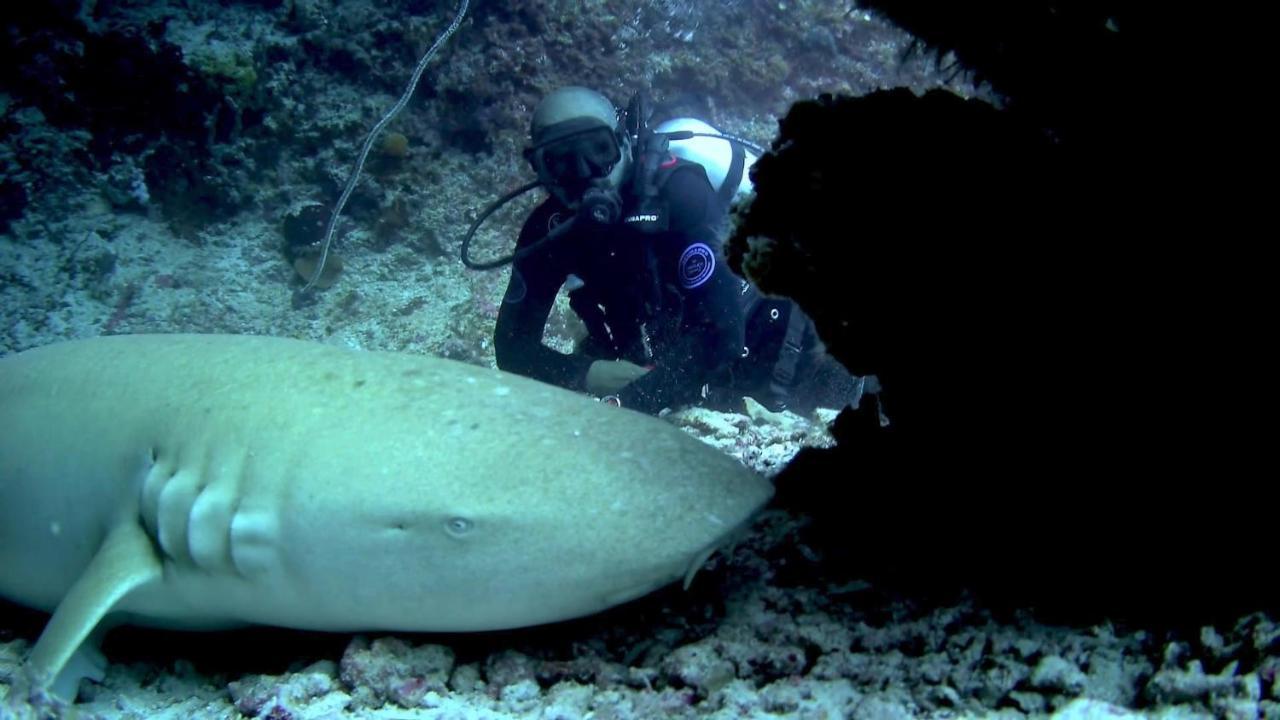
(713, 154)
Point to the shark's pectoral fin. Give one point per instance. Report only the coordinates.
(86, 663)
(125, 561)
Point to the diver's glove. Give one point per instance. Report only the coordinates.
(607, 377)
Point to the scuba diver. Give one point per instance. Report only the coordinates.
(632, 229)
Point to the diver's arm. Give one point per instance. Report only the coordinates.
(517, 337)
(710, 339)
(711, 324)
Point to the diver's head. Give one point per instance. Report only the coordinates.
(578, 147)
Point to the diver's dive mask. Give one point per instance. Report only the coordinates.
(576, 154)
(575, 165)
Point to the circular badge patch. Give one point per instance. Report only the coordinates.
(696, 263)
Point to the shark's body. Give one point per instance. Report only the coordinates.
(205, 480)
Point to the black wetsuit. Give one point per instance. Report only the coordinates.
(661, 298)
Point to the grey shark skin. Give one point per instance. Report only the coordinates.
(204, 481)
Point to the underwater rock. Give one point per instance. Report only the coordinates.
(1178, 685)
(273, 696)
(13, 203)
(760, 414)
(1055, 673)
(508, 668)
(1089, 709)
(765, 443)
(390, 670)
(305, 265)
(521, 697)
(303, 228)
(699, 666)
(466, 679)
(1028, 420)
(879, 708)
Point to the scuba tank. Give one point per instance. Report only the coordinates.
(715, 151)
(724, 157)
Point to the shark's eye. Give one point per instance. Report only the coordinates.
(458, 526)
